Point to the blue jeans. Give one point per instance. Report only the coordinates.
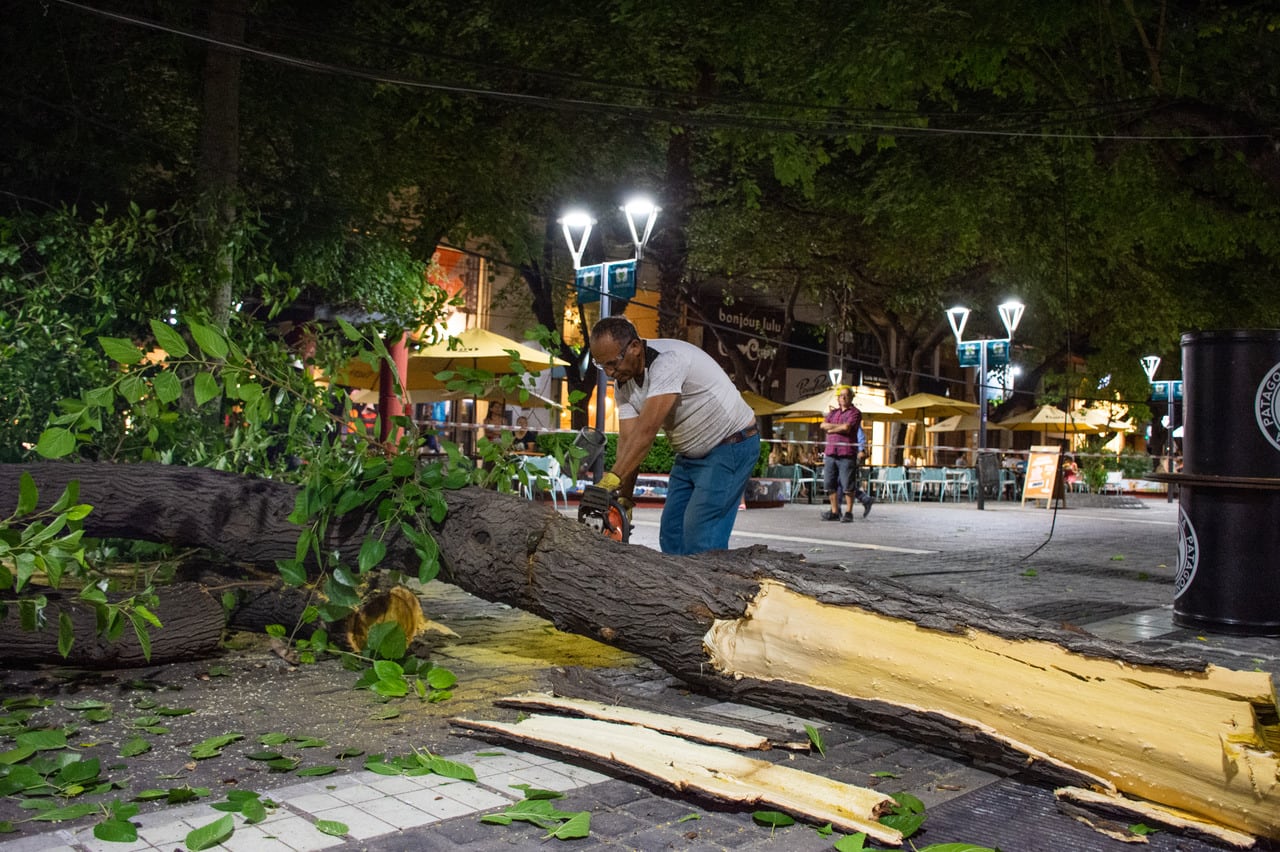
(703, 496)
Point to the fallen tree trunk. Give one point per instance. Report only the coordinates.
(766, 628)
(192, 622)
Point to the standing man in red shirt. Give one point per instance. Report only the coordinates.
(840, 458)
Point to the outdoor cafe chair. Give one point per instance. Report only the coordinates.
(543, 474)
(893, 484)
(933, 480)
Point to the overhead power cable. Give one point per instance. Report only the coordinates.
(778, 124)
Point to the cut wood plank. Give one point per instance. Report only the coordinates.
(1192, 742)
(1157, 814)
(689, 729)
(713, 771)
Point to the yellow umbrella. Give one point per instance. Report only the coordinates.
(920, 406)
(760, 406)
(1046, 419)
(475, 348)
(817, 406)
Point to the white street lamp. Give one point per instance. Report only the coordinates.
(1170, 390)
(958, 317)
(641, 214)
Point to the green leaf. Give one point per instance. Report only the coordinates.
(387, 641)
(452, 769)
(206, 388)
(69, 812)
(1141, 829)
(120, 350)
(56, 442)
(907, 823)
(167, 386)
(134, 746)
(852, 843)
(116, 831)
(140, 631)
(210, 835)
(774, 819)
(816, 739)
(42, 740)
(536, 793)
(28, 495)
(441, 678)
(577, 826)
(264, 755)
(16, 755)
(274, 739)
(372, 551)
(331, 827)
(169, 340)
(316, 771)
(66, 633)
(210, 340)
(253, 811)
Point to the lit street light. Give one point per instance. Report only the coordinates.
(1168, 391)
(983, 354)
(599, 280)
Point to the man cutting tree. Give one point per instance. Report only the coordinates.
(674, 385)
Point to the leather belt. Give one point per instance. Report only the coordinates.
(741, 435)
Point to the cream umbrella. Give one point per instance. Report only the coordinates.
(815, 407)
(1107, 419)
(960, 423)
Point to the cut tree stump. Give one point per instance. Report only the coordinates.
(766, 628)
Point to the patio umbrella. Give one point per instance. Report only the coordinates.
(1046, 419)
(960, 423)
(491, 393)
(760, 406)
(816, 407)
(920, 406)
(1106, 420)
(476, 348)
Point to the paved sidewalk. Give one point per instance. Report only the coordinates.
(1106, 568)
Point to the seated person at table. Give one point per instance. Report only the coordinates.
(524, 437)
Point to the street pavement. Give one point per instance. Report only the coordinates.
(1102, 565)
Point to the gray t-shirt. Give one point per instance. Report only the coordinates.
(709, 408)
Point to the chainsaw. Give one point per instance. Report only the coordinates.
(611, 520)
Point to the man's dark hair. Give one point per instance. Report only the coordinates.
(618, 329)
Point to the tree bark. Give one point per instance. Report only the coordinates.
(767, 628)
(192, 627)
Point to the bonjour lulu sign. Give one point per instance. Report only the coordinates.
(1266, 412)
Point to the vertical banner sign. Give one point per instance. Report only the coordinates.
(1042, 475)
(620, 274)
(622, 279)
(588, 281)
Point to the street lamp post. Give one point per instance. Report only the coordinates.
(1170, 390)
(974, 353)
(641, 213)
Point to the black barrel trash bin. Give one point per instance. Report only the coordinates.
(1228, 577)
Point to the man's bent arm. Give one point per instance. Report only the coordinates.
(636, 435)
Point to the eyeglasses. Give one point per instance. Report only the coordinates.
(613, 363)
